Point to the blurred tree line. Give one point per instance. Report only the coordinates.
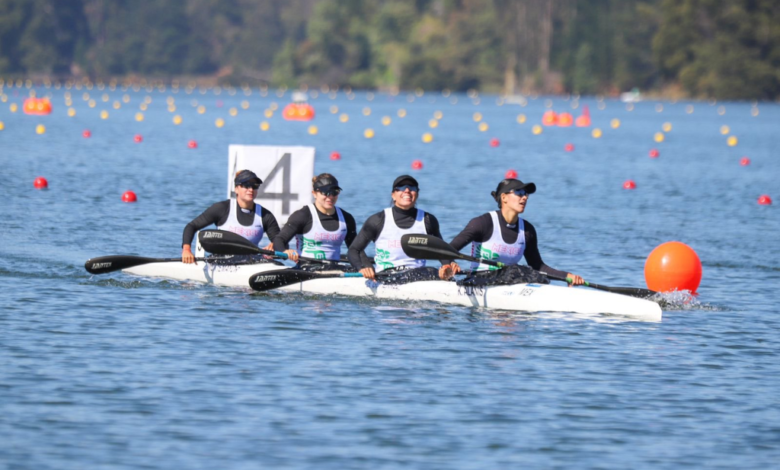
(708, 48)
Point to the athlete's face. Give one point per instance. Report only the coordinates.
(515, 200)
(246, 194)
(404, 198)
(326, 200)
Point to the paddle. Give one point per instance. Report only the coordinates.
(268, 280)
(107, 264)
(422, 246)
(222, 242)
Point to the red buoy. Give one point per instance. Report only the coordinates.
(569, 147)
(417, 165)
(765, 200)
(129, 196)
(654, 153)
(335, 156)
(744, 161)
(138, 138)
(192, 144)
(673, 266)
(40, 183)
(510, 174)
(494, 142)
(86, 134)
(629, 184)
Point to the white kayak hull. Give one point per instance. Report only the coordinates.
(519, 297)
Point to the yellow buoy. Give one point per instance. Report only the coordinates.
(139, 117)
(368, 133)
(40, 129)
(667, 127)
(659, 137)
(615, 123)
(92, 103)
(233, 112)
(14, 107)
(521, 118)
(483, 126)
(732, 141)
(596, 133)
(438, 115)
(427, 138)
(477, 117)
(117, 105)
(104, 114)
(724, 130)
(269, 113)
(334, 109)
(366, 111)
(219, 122)
(689, 109)
(171, 108)
(313, 130)
(201, 109)
(142, 106)
(401, 113)
(264, 126)
(177, 119)
(537, 129)
(245, 104)
(71, 112)
(433, 123)
(344, 117)
(2, 126)
(386, 120)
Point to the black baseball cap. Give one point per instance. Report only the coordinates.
(405, 179)
(325, 183)
(246, 176)
(510, 184)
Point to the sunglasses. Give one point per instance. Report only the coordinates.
(330, 192)
(521, 192)
(411, 188)
(254, 186)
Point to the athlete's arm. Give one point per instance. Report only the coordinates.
(432, 227)
(216, 214)
(478, 230)
(532, 256)
(357, 249)
(299, 222)
(270, 226)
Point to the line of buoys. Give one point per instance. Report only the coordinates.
(673, 266)
(40, 183)
(129, 196)
(765, 200)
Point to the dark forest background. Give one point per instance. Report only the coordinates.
(699, 48)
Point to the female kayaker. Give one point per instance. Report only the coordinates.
(320, 228)
(385, 230)
(505, 237)
(243, 217)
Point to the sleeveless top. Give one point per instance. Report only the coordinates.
(253, 233)
(389, 253)
(497, 249)
(320, 243)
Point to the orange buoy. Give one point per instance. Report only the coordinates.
(129, 196)
(86, 134)
(494, 142)
(765, 200)
(417, 165)
(549, 118)
(298, 112)
(510, 174)
(629, 184)
(673, 266)
(138, 138)
(335, 156)
(568, 147)
(37, 106)
(583, 120)
(40, 183)
(565, 120)
(193, 144)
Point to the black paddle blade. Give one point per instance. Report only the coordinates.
(222, 242)
(422, 246)
(632, 291)
(268, 280)
(107, 264)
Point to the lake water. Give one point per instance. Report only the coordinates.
(120, 372)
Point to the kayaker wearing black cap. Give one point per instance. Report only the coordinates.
(385, 230)
(505, 237)
(243, 217)
(320, 228)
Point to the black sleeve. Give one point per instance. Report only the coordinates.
(217, 214)
(270, 227)
(432, 227)
(351, 228)
(532, 256)
(368, 234)
(295, 224)
(478, 229)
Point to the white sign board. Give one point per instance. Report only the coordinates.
(286, 173)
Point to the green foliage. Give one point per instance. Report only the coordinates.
(712, 48)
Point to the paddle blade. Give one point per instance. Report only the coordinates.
(222, 242)
(107, 264)
(268, 280)
(422, 246)
(631, 291)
